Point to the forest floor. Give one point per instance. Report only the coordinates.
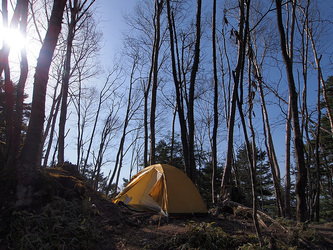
(126, 229)
(71, 220)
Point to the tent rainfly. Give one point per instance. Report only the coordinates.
(162, 188)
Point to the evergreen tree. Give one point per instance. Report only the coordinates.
(204, 181)
(264, 183)
(170, 153)
(326, 158)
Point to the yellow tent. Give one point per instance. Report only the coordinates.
(162, 188)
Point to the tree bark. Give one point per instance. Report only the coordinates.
(74, 8)
(186, 124)
(52, 118)
(287, 165)
(77, 11)
(298, 140)
(28, 160)
(317, 60)
(316, 204)
(216, 115)
(102, 97)
(191, 169)
(275, 169)
(253, 165)
(156, 49)
(11, 117)
(79, 140)
(51, 121)
(145, 121)
(21, 84)
(241, 39)
(128, 116)
(177, 82)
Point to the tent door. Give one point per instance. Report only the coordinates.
(146, 199)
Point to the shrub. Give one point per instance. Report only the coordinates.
(59, 225)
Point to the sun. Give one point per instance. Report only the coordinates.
(13, 37)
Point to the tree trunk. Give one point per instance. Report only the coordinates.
(216, 115)
(317, 60)
(242, 40)
(119, 157)
(316, 204)
(101, 100)
(186, 124)
(145, 115)
(156, 48)
(177, 82)
(54, 119)
(253, 165)
(287, 165)
(77, 11)
(145, 121)
(309, 157)
(9, 114)
(12, 144)
(251, 154)
(79, 141)
(65, 79)
(173, 133)
(275, 169)
(28, 160)
(191, 170)
(298, 140)
(21, 84)
(50, 121)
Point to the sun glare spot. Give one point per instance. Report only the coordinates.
(13, 38)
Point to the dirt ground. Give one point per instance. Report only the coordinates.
(118, 227)
(127, 229)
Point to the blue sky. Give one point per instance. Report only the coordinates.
(112, 24)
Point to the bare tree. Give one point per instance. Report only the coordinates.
(77, 11)
(253, 164)
(132, 107)
(149, 35)
(241, 40)
(85, 67)
(316, 203)
(107, 90)
(275, 169)
(298, 140)
(85, 99)
(155, 67)
(191, 168)
(28, 160)
(187, 128)
(110, 127)
(21, 84)
(287, 164)
(50, 126)
(51, 119)
(14, 117)
(216, 115)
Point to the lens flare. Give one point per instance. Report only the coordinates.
(13, 37)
